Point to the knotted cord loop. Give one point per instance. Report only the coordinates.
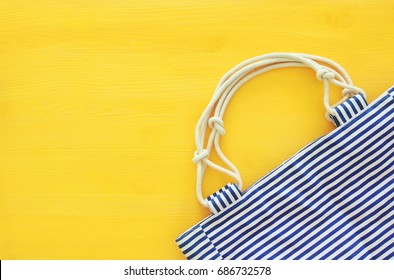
(216, 123)
(324, 73)
(198, 156)
(349, 92)
(328, 72)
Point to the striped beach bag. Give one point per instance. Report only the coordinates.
(331, 200)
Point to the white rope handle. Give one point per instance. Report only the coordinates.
(234, 79)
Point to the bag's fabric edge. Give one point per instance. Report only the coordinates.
(198, 229)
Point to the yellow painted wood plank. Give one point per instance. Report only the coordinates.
(99, 100)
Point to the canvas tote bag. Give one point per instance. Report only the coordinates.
(332, 200)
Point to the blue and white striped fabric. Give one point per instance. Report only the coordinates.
(223, 198)
(348, 109)
(334, 199)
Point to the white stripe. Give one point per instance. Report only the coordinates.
(343, 113)
(210, 255)
(361, 100)
(223, 199)
(187, 238)
(384, 256)
(367, 239)
(198, 256)
(204, 242)
(350, 109)
(192, 242)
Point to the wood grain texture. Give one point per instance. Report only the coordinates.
(99, 100)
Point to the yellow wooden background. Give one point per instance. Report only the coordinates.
(99, 100)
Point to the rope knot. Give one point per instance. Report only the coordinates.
(323, 73)
(216, 123)
(200, 155)
(349, 92)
